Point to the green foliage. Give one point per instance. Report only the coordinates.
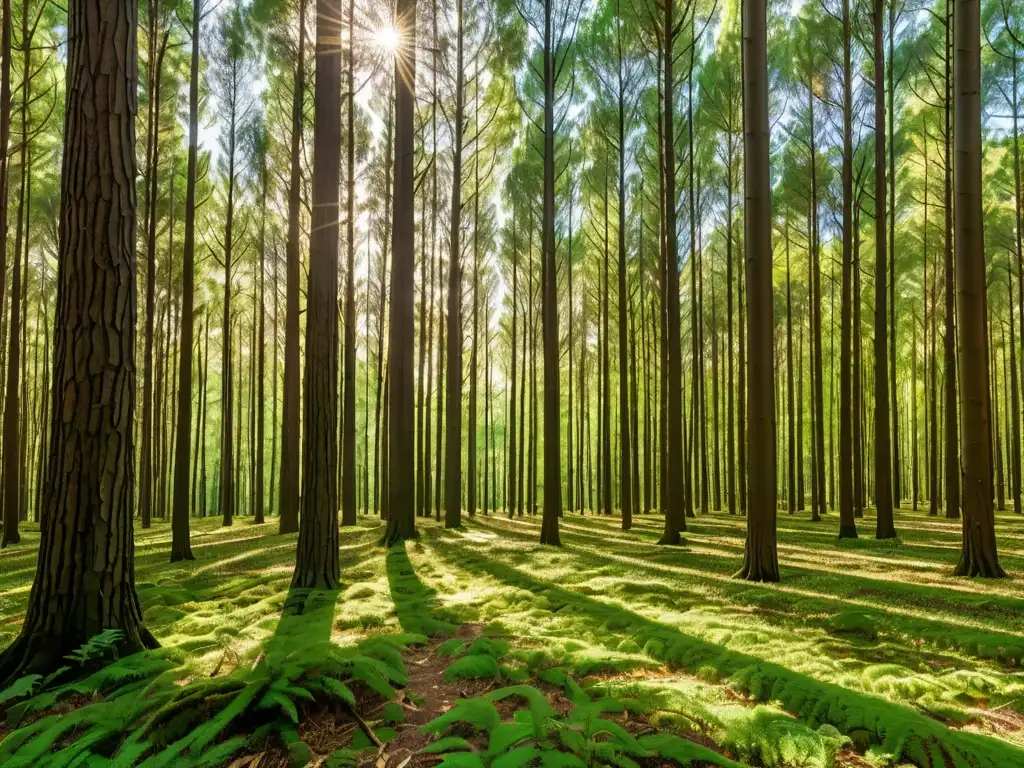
(207, 720)
(584, 736)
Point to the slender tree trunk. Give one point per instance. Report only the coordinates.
(675, 520)
(401, 459)
(949, 341)
(290, 415)
(549, 299)
(349, 415)
(760, 561)
(849, 433)
(884, 528)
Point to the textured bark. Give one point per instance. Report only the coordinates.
(884, 528)
(978, 556)
(511, 472)
(549, 300)
(180, 548)
(453, 382)
(316, 561)
(790, 410)
(1013, 449)
(85, 575)
(847, 409)
(348, 428)
(675, 521)
(5, 157)
(288, 502)
(626, 479)
(952, 467)
(401, 458)
(760, 561)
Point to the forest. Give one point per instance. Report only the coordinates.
(511, 383)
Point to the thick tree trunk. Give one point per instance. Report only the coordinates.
(316, 562)
(978, 556)
(85, 575)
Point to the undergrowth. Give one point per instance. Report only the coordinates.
(140, 710)
(534, 732)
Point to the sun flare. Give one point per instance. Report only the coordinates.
(387, 38)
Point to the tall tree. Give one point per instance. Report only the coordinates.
(884, 528)
(760, 562)
(180, 512)
(290, 422)
(401, 363)
(348, 440)
(317, 562)
(85, 572)
(978, 555)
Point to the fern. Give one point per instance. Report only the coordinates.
(472, 668)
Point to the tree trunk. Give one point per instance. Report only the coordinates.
(549, 300)
(760, 562)
(675, 521)
(348, 428)
(85, 573)
(290, 416)
(884, 528)
(978, 556)
(949, 342)
(401, 459)
(316, 561)
(453, 382)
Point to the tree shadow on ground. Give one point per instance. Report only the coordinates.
(306, 618)
(902, 730)
(416, 604)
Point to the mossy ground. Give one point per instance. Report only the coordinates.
(875, 639)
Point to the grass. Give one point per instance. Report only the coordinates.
(873, 640)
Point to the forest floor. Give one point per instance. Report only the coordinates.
(866, 651)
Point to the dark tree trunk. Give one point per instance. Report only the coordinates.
(625, 478)
(290, 416)
(316, 561)
(884, 528)
(348, 439)
(549, 298)
(675, 521)
(761, 559)
(952, 467)
(180, 512)
(401, 419)
(453, 382)
(85, 572)
(978, 556)
(512, 374)
(848, 429)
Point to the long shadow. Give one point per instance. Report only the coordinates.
(925, 597)
(789, 605)
(416, 604)
(902, 730)
(307, 618)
